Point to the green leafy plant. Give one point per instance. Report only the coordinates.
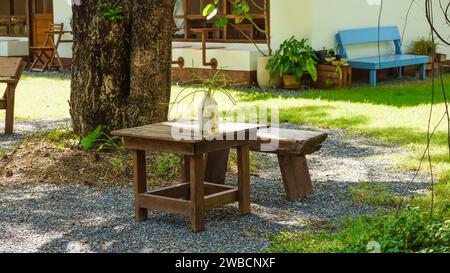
(111, 143)
(423, 46)
(329, 57)
(105, 141)
(88, 142)
(294, 57)
(113, 12)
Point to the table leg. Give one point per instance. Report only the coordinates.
(243, 155)
(197, 174)
(216, 166)
(140, 182)
(185, 169)
(9, 118)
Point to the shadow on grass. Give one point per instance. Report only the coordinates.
(320, 115)
(397, 94)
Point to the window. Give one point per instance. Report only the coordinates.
(188, 15)
(13, 18)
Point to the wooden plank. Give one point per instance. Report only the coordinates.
(289, 141)
(161, 203)
(140, 183)
(9, 66)
(296, 177)
(221, 198)
(185, 131)
(243, 159)
(180, 191)
(159, 146)
(197, 192)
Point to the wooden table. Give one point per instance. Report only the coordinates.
(194, 196)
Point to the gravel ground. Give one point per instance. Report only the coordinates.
(21, 129)
(65, 218)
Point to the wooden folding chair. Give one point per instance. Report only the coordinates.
(47, 54)
(10, 72)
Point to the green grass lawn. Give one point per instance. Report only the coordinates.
(40, 98)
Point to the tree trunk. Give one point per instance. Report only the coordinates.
(121, 69)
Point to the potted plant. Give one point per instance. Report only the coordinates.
(241, 13)
(333, 70)
(427, 47)
(292, 60)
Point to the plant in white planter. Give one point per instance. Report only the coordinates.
(208, 111)
(241, 12)
(292, 60)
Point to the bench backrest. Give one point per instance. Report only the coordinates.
(368, 35)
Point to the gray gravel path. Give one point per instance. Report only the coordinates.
(65, 218)
(21, 129)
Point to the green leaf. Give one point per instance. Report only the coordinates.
(310, 66)
(208, 9)
(88, 142)
(221, 22)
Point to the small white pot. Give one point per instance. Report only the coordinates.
(263, 74)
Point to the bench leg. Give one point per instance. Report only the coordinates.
(216, 166)
(140, 183)
(400, 71)
(215, 170)
(373, 78)
(296, 177)
(423, 72)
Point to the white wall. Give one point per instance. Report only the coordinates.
(290, 18)
(329, 16)
(62, 13)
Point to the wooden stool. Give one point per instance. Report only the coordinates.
(291, 147)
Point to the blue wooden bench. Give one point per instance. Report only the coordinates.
(373, 35)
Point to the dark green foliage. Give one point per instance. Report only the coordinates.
(294, 57)
(113, 12)
(423, 46)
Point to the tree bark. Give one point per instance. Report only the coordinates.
(121, 69)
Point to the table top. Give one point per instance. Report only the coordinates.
(187, 131)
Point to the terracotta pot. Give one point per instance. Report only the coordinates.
(263, 74)
(291, 82)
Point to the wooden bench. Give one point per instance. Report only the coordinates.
(373, 35)
(291, 147)
(10, 72)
